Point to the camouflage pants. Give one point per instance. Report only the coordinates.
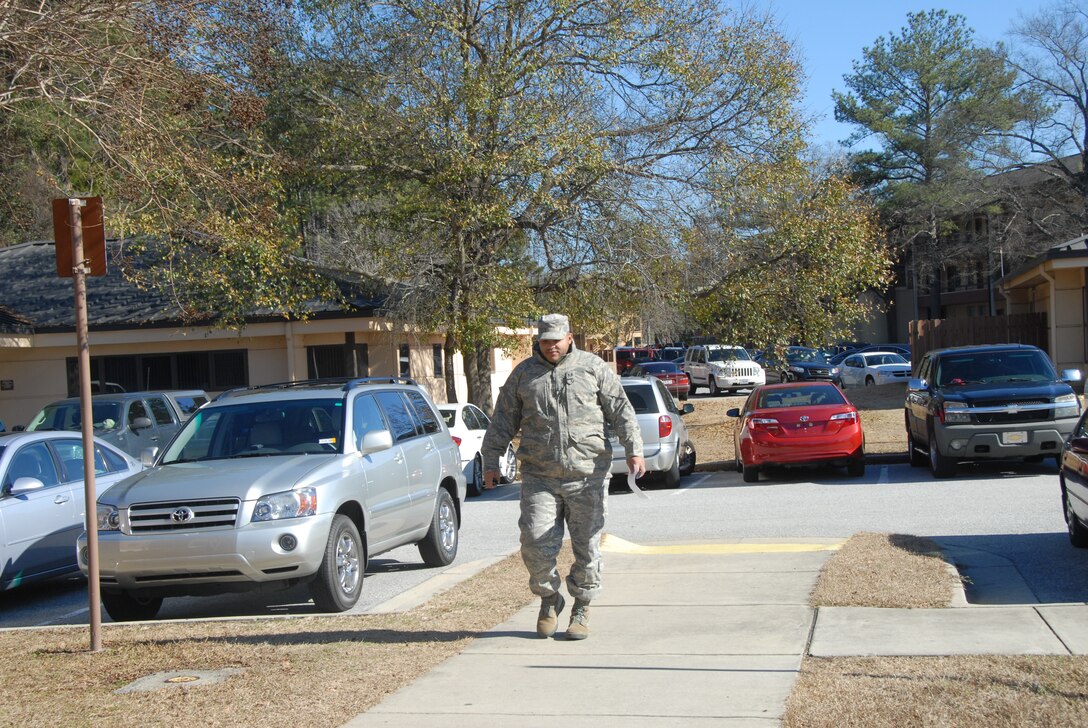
(548, 503)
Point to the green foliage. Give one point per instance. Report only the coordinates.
(790, 261)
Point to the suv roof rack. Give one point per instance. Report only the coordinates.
(344, 382)
(351, 383)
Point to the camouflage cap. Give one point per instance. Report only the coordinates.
(553, 326)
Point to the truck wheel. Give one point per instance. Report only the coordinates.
(339, 579)
(714, 391)
(439, 548)
(917, 458)
(126, 607)
(1078, 534)
(941, 466)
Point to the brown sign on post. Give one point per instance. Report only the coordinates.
(94, 236)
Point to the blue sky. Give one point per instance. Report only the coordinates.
(830, 35)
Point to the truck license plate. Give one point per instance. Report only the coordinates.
(1014, 438)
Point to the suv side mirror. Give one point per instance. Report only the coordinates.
(917, 385)
(735, 412)
(1079, 445)
(687, 409)
(1074, 379)
(375, 441)
(141, 423)
(147, 456)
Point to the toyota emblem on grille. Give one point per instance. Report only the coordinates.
(182, 515)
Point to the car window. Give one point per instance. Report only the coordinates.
(666, 397)
(188, 404)
(472, 419)
(800, 397)
(367, 417)
(108, 460)
(482, 418)
(424, 412)
(136, 409)
(32, 461)
(402, 422)
(161, 410)
(642, 398)
(449, 415)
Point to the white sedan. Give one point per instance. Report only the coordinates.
(467, 424)
(874, 367)
(42, 504)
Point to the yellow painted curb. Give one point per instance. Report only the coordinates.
(616, 545)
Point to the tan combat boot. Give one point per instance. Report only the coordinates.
(548, 619)
(579, 621)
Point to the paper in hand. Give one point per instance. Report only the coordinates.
(634, 488)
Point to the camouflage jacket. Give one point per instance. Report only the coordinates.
(561, 410)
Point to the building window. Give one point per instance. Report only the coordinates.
(439, 360)
(337, 360)
(405, 362)
(207, 370)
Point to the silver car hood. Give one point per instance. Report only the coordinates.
(243, 478)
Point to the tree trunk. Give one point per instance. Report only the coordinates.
(448, 350)
(478, 374)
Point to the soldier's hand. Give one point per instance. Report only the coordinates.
(491, 479)
(637, 465)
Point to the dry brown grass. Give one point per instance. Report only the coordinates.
(313, 671)
(885, 570)
(893, 570)
(891, 692)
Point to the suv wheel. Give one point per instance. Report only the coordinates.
(440, 546)
(1078, 534)
(340, 577)
(126, 607)
(476, 483)
(941, 466)
(714, 391)
(691, 385)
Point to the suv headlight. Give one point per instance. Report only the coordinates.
(1066, 405)
(955, 413)
(288, 504)
(797, 370)
(108, 517)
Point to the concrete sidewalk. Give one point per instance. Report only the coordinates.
(700, 634)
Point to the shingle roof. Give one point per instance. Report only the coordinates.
(36, 299)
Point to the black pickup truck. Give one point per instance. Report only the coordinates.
(988, 402)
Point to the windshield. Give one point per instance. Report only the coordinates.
(875, 359)
(728, 355)
(66, 416)
(995, 367)
(259, 429)
(816, 356)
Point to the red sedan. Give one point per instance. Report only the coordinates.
(798, 423)
(673, 377)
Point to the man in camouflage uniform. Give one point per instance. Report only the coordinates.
(560, 399)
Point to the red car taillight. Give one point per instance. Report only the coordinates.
(763, 423)
(456, 440)
(664, 426)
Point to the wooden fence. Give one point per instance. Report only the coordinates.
(1021, 328)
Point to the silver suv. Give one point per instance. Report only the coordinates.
(299, 482)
